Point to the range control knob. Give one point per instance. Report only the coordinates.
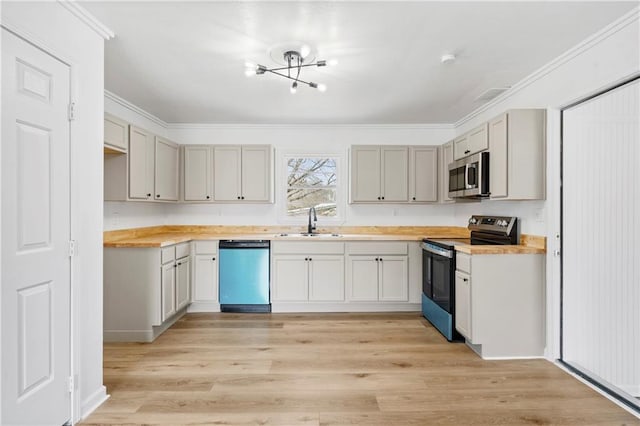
(473, 221)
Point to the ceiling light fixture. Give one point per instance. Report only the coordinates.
(294, 61)
(447, 58)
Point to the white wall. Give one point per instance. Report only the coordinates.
(53, 27)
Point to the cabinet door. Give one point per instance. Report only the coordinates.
(198, 173)
(116, 133)
(256, 173)
(290, 278)
(168, 287)
(395, 173)
(394, 278)
(205, 282)
(423, 174)
(446, 157)
(140, 164)
(461, 147)
(166, 170)
(365, 173)
(478, 139)
(363, 278)
(498, 157)
(227, 163)
(463, 304)
(326, 278)
(183, 282)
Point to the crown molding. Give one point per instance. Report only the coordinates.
(627, 19)
(125, 103)
(241, 126)
(86, 17)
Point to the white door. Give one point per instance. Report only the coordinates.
(35, 236)
(197, 173)
(227, 165)
(326, 278)
(394, 278)
(256, 173)
(395, 173)
(166, 170)
(365, 173)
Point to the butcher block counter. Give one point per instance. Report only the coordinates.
(163, 236)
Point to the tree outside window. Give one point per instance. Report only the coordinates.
(311, 182)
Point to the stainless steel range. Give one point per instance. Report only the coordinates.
(439, 266)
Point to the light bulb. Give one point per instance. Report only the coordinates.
(332, 62)
(305, 50)
(322, 87)
(249, 72)
(294, 88)
(248, 64)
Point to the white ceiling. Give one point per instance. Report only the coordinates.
(184, 61)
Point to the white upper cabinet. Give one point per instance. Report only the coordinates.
(446, 157)
(243, 173)
(517, 144)
(141, 164)
(379, 173)
(116, 133)
(423, 174)
(475, 140)
(198, 173)
(166, 170)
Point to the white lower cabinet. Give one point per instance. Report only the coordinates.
(145, 291)
(204, 286)
(317, 276)
(500, 303)
(378, 271)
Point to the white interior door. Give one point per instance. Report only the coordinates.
(600, 233)
(35, 236)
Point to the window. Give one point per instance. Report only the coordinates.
(311, 182)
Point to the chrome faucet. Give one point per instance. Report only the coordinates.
(312, 226)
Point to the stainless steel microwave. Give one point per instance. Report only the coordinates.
(469, 176)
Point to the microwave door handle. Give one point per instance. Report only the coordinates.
(466, 176)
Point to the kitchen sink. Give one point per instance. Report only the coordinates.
(306, 234)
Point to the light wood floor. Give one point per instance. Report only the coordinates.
(333, 369)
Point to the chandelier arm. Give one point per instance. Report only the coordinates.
(290, 78)
(286, 68)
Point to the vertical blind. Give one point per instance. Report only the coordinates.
(601, 238)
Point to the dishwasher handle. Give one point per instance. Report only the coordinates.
(244, 244)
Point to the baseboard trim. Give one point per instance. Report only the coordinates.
(344, 307)
(204, 307)
(142, 335)
(90, 404)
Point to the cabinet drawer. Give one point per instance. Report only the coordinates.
(168, 254)
(183, 250)
(206, 247)
(377, 248)
(304, 247)
(463, 262)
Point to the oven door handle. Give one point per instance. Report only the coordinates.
(437, 250)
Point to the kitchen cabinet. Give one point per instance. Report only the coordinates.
(473, 141)
(147, 171)
(500, 303)
(377, 271)
(166, 170)
(243, 173)
(446, 158)
(423, 174)
(141, 164)
(204, 293)
(307, 271)
(146, 290)
(517, 141)
(379, 173)
(116, 134)
(198, 172)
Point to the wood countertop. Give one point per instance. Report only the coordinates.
(162, 236)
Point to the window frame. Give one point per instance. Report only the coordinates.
(282, 187)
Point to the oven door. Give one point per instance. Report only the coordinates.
(457, 177)
(437, 279)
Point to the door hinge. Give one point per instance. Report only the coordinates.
(72, 111)
(72, 248)
(70, 384)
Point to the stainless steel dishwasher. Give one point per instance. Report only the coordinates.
(244, 276)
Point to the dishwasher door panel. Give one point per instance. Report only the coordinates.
(244, 276)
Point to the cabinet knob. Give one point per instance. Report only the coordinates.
(148, 195)
(242, 197)
(377, 259)
(238, 197)
(208, 197)
(157, 195)
(467, 151)
(383, 198)
(213, 258)
(379, 198)
(310, 259)
(306, 259)
(414, 198)
(465, 279)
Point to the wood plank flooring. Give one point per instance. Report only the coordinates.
(333, 369)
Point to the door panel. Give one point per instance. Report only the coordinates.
(326, 278)
(140, 164)
(394, 278)
(256, 173)
(197, 173)
(227, 174)
(365, 173)
(395, 182)
(363, 278)
(166, 170)
(35, 234)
